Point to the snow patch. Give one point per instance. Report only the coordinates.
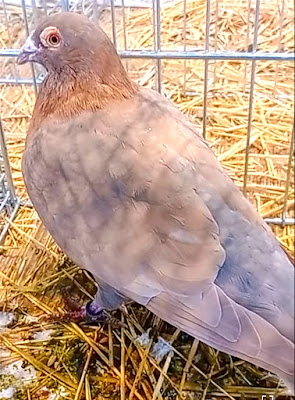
(161, 349)
(14, 377)
(7, 393)
(144, 339)
(43, 335)
(5, 319)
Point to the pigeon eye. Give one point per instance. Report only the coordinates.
(50, 37)
(53, 40)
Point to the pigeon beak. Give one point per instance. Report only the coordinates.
(28, 52)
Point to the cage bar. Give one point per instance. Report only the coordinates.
(251, 96)
(188, 55)
(206, 67)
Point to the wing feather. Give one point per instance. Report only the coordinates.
(256, 341)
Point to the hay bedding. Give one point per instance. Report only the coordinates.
(54, 360)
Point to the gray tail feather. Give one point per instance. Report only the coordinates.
(259, 343)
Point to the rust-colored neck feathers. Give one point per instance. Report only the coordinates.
(68, 92)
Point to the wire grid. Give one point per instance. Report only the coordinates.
(31, 9)
(9, 203)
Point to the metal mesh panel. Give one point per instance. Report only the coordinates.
(9, 203)
(209, 49)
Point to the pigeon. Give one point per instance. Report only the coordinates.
(131, 192)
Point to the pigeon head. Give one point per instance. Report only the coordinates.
(71, 43)
(84, 71)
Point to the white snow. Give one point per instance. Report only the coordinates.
(5, 319)
(160, 349)
(43, 335)
(144, 338)
(7, 393)
(23, 376)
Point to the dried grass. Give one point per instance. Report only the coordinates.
(39, 285)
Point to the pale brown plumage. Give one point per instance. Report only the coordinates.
(130, 191)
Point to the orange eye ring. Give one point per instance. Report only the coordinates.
(53, 39)
(50, 37)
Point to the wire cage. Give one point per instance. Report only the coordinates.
(227, 64)
(9, 203)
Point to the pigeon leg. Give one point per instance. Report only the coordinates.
(106, 298)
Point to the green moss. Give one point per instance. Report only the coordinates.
(6, 381)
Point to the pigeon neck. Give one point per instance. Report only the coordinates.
(64, 97)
